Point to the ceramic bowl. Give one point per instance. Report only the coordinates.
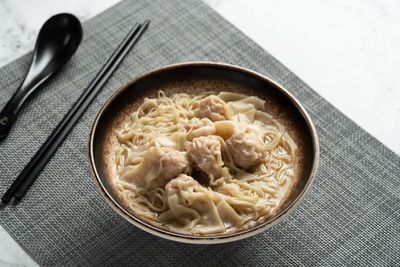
(194, 77)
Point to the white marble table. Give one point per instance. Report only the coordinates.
(346, 50)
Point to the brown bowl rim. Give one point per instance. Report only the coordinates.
(202, 239)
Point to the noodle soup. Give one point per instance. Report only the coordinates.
(203, 164)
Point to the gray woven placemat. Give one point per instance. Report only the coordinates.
(351, 216)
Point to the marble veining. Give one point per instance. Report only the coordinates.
(21, 21)
(346, 50)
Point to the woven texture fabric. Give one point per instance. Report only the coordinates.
(351, 216)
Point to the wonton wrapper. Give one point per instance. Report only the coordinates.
(194, 208)
(157, 165)
(246, 109)
(205, 152)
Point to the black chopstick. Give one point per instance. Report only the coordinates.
(84, 102)
(29, 174)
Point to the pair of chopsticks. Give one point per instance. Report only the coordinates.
(31, 171)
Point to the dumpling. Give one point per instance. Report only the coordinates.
(242, 100)
(195, 208)
(213, 108)
(199, 127)
(157, 166)
(245, 109)
(202, 127)
(246, 147)
(205, 152)
(173, 163)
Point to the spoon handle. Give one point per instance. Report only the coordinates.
(7, 117)
(11, 109)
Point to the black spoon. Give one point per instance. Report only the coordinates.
(57, 41)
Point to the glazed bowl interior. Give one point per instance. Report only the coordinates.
(192, 78)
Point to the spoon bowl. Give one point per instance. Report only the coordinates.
(57, 41)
